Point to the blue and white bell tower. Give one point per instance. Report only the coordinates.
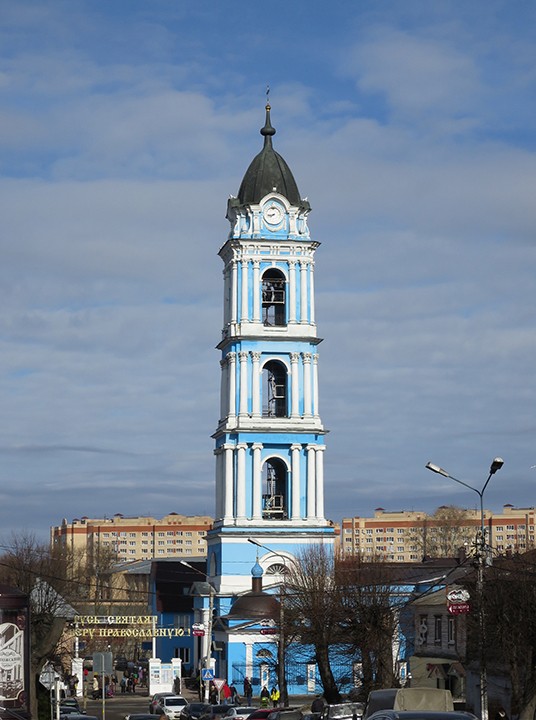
(270, 438)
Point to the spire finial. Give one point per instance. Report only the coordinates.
(267, 131)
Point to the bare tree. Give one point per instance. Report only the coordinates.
(443, 533)
(312, 610)
(369, 622)
(29, 566)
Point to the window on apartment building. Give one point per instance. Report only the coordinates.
(369, 540)
(499, 537)
(400, 548)
(500, 547)
(413, 557)
(510, 537)
(400, 557)
(132, 542)
(451, 630)
(144, 542)
(123, 542)
(144, 550)
(521, 545)
(187, 552)
(438, 626)
(379, 530)
(390, 530)
(531, 538)
(145, 534)
(369, 531)
(171, 542)
(123, 534)
(106, 534)
(188, 533)
(390, 539)
(160, 552)
(510, 527)
(348, 539)
(170, 532)
(521, 527)
(179, 532)
(114, 534)
(187, 542)
(161, 542)
(132, 534)
(160, 534)
(132, 552)
(400, 531)
(202, 532)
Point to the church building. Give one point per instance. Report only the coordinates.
(269, 440)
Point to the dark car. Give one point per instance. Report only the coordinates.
(215, 712)
(290, 713)
(139, 716)
(71, 702)
(260, 714)
(194, 710)
(420, 715)
(68, 710)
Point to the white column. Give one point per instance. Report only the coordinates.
(316, 411)
(256, 385)
(226, 297)
(295, 484)
(257, 482)
(219, 483)
(311, 481)
(241, 481)
(292, 291)
(224, 389)
(228, 484)
(234, 291)
(244, 303)
(312, 292)
(303, 292)
(231, 357)
(306, 384)
(243, 356)
(256, 291)
(294, 384)
(320, 481)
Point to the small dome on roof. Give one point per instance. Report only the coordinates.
(268, 173)
(257, 570)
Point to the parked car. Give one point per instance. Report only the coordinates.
(171, 706)
(260, 714)
(194, 710)
(68, 710)
(414, 698)
(215, 712)
(139, 716)
(79, 716)
(155, 700)
(239, 711)
(421, 715)
(69, 702)
(342, 711)
(290, 713)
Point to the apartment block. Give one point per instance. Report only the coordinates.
(135, 538)
(409, 535)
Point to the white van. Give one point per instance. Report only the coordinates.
(414, 698)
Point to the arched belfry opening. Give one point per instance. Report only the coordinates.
(274, 496)
(274, 390)
(274, 298)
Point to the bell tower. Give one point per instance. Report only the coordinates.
(270, 438)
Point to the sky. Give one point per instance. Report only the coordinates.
(124, 128)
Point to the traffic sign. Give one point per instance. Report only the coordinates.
(207, 674)
(218, 683)
(198, 633)
(459, 608)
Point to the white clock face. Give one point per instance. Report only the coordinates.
(273, 214)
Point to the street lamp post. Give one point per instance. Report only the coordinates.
(207, 638)
(481, 559)
(281, 673)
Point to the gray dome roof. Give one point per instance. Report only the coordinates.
(255, 605)
(268, 171)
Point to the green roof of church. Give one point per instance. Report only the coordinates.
(268, 173)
